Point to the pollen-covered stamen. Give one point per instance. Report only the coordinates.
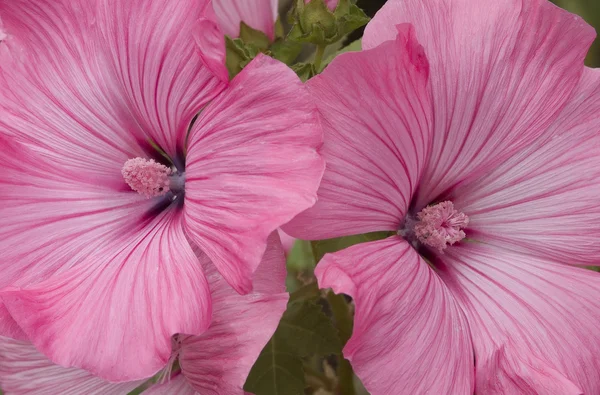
(147, 177)
(440, 225)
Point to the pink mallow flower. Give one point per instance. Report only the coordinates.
(109, 180)
(481, 151)
(331, 4)
(258, 14)
(215, 363)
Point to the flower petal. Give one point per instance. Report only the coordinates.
(176, 386)
(550, 312)
(506, 373)
(90, 84)
(115, 315)
(410, 336)
(258, 14)
(218, 361)
(545, 199)
(8, 326)
(501, 72)
(252, 166)
(25, 371)
(376, 118)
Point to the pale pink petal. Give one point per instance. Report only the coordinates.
(501, 72)
(258, 14)
(90, 83)
(252, 165)
(115, 315)
(550, 312)
(544, 200)
(410, 336)
(218, 361)
(507, 372)
(178, 385)
(25, 371)
(376, 118)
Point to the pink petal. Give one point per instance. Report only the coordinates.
(506, 373)
(90, 84)
(410, 336)
(545, 199)
(176, 386)
(286, 240)
(375, 110)
(218, 361)
(209, 38)
(252, 165)
(24, 370)
(501, 72)
(549, 312)
(115, 315)
(258, 14)
(8, 326)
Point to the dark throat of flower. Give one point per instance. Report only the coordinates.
(159, 177)
(434, 228)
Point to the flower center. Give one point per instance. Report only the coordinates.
(150, 178)
(440, 225)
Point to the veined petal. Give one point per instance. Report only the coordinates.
(25, 371)
(252, 166)
(176, 386)
(258, 14)
(507, 372)
(544, 200)
(410, 336)
(376, 118)
(550, 313)
(218, 361)
(91, 83)
(501, 73)
(8, 326)
(114, 316)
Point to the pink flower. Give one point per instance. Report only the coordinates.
(258, 14)
(486, 162)
(98, 104)
(217, 362)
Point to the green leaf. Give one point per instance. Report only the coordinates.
(286, 51)
(304, 331)
(322, 247)
(254, 37)
(352, 20)
(236, 55)
(304, 70)
(276, 373)
(355, 46)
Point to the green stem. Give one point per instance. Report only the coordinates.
(343, 320)
(319, 57)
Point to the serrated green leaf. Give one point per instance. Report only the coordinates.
(304, 70)
(352, 20)
(236, 55)
(354, 46)
(276, 373)
(254, 37)
(286, 51)
(322, 247)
